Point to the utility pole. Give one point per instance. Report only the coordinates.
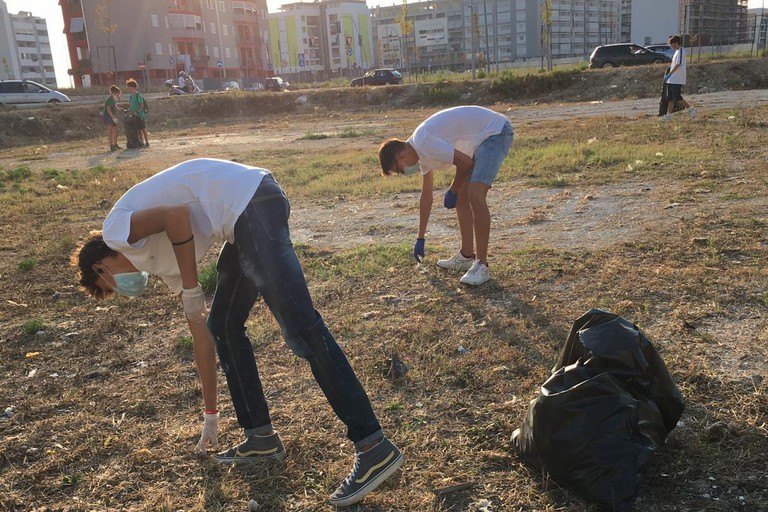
(472, 34)
(496, 34)
(487, 51)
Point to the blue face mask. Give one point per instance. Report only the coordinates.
(131, 284)
(411, 169)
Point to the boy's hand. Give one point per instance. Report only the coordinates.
(210, 433)
(418, 249)
(449, 200)
(667, 76)
(193, 300)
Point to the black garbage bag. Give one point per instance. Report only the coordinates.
(609, 403)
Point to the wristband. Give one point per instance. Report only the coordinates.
(191, 237)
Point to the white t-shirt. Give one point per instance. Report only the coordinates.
(461, 128)
(216, 191)
(182, 82)
(679, 76)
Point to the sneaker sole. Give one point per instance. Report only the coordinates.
(462, 281)
(250, 460)
(372, 485)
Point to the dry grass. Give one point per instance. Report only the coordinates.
(109, 418)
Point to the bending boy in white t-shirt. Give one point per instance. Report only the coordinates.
(475, 140)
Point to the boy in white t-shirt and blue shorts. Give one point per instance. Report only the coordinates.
(474, 139)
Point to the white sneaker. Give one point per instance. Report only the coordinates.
(691, 112)
(477, 274)
(456, 262)
(667, 117)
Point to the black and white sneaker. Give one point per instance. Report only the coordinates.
(254, 449)
(372, 467)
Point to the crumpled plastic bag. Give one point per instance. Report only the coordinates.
(609, 403)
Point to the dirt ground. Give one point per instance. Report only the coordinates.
(575, 231)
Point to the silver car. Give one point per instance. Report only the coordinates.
(19, 92)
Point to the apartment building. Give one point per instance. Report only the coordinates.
(648, 22)
(25, 50)
(713, 22)
(214, 40)
(451, 34)
(321, 39)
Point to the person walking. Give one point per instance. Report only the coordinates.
(138, 107)
(109, 116)
(164, 226)
(676, 79)
(475, 140)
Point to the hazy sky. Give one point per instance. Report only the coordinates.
(50, 10)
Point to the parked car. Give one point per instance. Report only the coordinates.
(17, 92)
(230, 86)
(276, 83)
(378, 77)
(256, 86)
(624, 54)
(662, 48)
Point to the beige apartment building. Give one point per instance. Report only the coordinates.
(153, 40)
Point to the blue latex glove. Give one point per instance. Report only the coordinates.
(418, 249)
(666, 77)
(449, 200)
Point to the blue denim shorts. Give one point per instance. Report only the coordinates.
(490, 155)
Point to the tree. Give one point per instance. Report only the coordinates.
(105, 25)
(406, 27)
(7, 68)
(546, 32)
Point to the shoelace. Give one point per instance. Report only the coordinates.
(353, 473)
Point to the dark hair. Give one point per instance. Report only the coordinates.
(674, 39)
(93, 250)
(387, 154)
(114, 90)
(131, 83)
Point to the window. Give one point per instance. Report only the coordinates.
(224, 30)
(216, 52)
(221, 7)
(155, 20)
(226, 52)
(158, 48)
(213, 28)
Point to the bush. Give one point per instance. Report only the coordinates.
(511, 85)
(33, 326)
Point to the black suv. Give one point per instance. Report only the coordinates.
(378, 77)
(625, 54)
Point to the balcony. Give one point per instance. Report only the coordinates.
(184, 7)
(245, 11)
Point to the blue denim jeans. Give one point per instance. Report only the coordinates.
(490, 154)
(262, 262)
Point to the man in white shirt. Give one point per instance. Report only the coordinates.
(475, 140)
(164, 226)
(675, 79)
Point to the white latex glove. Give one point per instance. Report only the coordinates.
(193, 300)
(210, 433)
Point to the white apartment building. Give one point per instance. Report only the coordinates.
(25, 50)
(327, 38)
(448, 33)
(649, 21)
